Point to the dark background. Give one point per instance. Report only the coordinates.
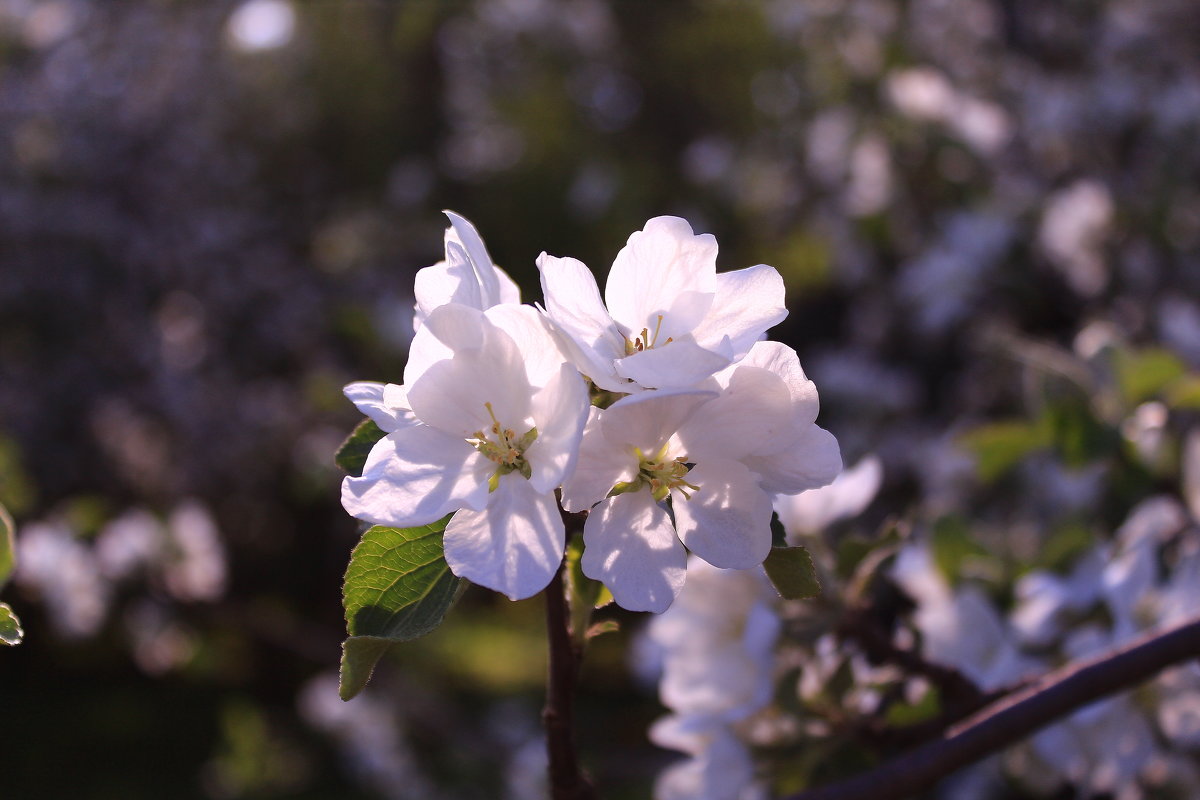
(210, 218)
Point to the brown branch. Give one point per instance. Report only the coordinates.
(1019, 714)
(567, 781)
(859, 626)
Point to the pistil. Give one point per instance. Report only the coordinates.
(645, 341)
(660, 474)
(502, 446)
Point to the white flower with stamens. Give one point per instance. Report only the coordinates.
(671, 320)
(467, 275)
(718, 453)
(488, 424)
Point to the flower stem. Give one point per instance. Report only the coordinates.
(567, 781)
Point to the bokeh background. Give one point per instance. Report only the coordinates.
(210, 218)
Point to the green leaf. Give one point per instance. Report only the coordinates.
(778, 534)
(398, 587)
(1142, 374)
(10, 626)
(352, 455)
(1065, 545)
(928, 706)
(999, 446)
(1184, 393)
(953, 546)
(8, 547)
(1077, 435)
(792, 572)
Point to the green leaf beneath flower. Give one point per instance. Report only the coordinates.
(352, 455)
(792, 572)
(398, 587)
(10, 626)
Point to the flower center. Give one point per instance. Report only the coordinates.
(504, 447)
(660, 474)
(645, 340)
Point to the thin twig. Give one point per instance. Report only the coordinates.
(859, 626)
(567, 781)
(1019, 714)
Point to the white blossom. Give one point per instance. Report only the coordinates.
(717, 644)
(53, 561)
(466, 276)
(488, 425)
(718, 452)
(671, 320)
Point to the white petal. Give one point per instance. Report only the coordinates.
(783, 361)
(573, 303)
(514, 546)
(752, 412)
(457, 326)
(747, 303)
(449, 329)
(415, 476)
(727, 522)
(1191, 472)
(721, 768)
(664, 270)
(449, 281)
(560, 411)
(510, 292)
(385, 404)
(814, 510)
(601, 465)
(630, 546)
(453, 395)
(811, 461)
(677, 365)
(485, 272)
(531, 332)
(648, 421)
(424, 351)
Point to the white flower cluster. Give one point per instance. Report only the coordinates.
(1127, 746)
(717, 647)
(660, 409)
(182, 557)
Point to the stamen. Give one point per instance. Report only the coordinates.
(660, 474)
(505, 450)
(657, 328)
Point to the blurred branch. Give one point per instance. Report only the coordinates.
(859, 626)
(567, 781)
(1017, 715)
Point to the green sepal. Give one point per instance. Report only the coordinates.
(793, 573)
(398, 587)
(352, 455)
